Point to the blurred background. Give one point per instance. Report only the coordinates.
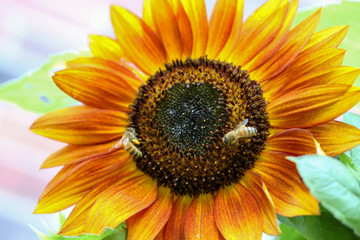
(30, 31)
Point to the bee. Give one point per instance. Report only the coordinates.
(240, 131)
(129, 140)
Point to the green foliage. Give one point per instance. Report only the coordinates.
(35, 91)
(323, 227)
(334, 185)
(346, 13)
(289, 233)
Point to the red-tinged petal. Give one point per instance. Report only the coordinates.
(336, 137)
(312, 106)
(81, 125)
(160, 235)
(63, 192)
(302, 65)
(293, 142)
(259, 30)
(174, 229)
(261, 57)
(196, 12)
(147, 223)
(74, 224)
(138, 41)
(96, 87)
(234, 36)
(119, 69)
(327, 38)
(255, 185)
(106, 48)
(169, 33)
(199, 221)
(184, 25)
(237, 213)
(290, 195)
(226, 16)
(76, 154)
(120, 203)
(334, 75)
(293, 45)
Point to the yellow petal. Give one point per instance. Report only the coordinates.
(106, 48)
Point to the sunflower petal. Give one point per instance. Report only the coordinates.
(120, 203)
(290, 195)
(302, 65)
(138, 41)
(261, 57)
(259, 30)
(184, 26)
(225, 26)
(199, 221)
(295, 42)
(327, 38)
(74, 224)
(312, 106)
(119, 69)
(336, 137)
(334, 75)
(106, 48)
(196, 12)
(148, 17)
(81, 125)
(95, 87)
(253, 182)
(237, 213)
(174, 229)
(293, 142)
(65, 191)
(147, 223)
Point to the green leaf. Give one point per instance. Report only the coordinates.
(346, 13)
(323, 227)
(36, 91)
(333, 185)
(289, 233)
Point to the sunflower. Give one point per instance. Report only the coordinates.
(186, 124)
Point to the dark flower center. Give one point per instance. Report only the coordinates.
(181, 117)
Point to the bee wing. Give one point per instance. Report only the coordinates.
(123, 141)
(241, 124)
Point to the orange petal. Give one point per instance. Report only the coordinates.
(77, 153)
(96, 87)
(196, 12)
(295, 42)
(150, 221)
(303, 64)
(120, 203)
(119, 69)
(199, 221)
(292, 142)
(138, 41)
(174, 229)
(336, 137)
(253, 182)
(81, 125)
(160, 235)
(225, 22)
(169, 33)
(71, 185)
(327, 38)
(290, 195)
(312, 106)
(148, 17)
(334, 75)
(74, 224)
(184, 25)
(237, 213)
(259, 30)
(106, 48)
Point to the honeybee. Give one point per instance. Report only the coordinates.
(129, 140)
(240, 131)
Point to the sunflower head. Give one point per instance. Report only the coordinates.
(186, 123)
